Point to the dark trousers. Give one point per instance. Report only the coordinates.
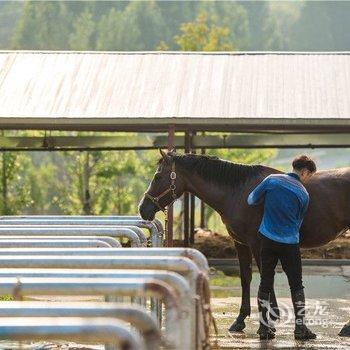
(289, 256)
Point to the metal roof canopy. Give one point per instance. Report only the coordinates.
(148, 91)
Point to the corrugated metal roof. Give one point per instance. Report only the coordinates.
(119, 88)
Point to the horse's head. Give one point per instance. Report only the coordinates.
(165, 187)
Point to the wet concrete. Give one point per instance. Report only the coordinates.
(328, 308)
(327, 290)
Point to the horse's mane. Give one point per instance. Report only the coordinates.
(216, 170)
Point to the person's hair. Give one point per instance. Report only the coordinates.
(304, 162)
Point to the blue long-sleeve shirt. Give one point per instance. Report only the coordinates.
(285, 204)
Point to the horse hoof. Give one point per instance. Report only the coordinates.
(345, 331)
(237, 326)
(275, 314)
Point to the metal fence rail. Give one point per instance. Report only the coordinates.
(34, 260)
(198, 282)
(178, 283)
(139, 287)
(134, 234)
(83, 330)
(194, 255)
(138, 317)
(110, 241)
(155, 227)
(53, 243)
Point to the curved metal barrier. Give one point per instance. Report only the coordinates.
(197, 257)
(138, 317)
(155, 227)
(53, 243)
(19, 287)
(134, 234)
(110, 241)
(177, 276)
(177, 282)
(83, 330)
(197, 280)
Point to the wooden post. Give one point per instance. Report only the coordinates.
(170, 221)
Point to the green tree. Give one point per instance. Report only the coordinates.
(43, 26)
(14, 185)
(10, 12)
(99, 182)
(231, 15)
(83, 35)
(139, 26)
(175, 13)
(111, 33)
(200, 35)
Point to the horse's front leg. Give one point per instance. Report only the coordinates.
(245, 267)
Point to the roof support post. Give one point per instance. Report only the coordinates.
(186, 199)
(170, 211)
(202, 211)
(192, 199)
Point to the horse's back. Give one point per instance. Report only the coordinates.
(329, 209)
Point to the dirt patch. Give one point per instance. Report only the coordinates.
(214, 245)
(337, 249)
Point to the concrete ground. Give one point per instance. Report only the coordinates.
(328, 309)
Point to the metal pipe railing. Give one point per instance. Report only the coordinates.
(136, 316)
(110, 241)
(197, 257)
(176, 281)
(136, 218)
(181, 265)
(19, 287)
(134, 234)
(82, 330)
(53, 243)
(155, 227)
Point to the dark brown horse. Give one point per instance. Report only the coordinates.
(225, 187)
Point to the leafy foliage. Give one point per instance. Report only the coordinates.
(203, 36)
(14, 185)
(143, 25)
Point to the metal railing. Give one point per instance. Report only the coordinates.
(134, 234)
(155, 227)
(194, 255)
(83, 330)
(177, 276)
(53, 243)
(110, 241)
(138, 287)
(177, 282)
(197, 280)
(136, 316)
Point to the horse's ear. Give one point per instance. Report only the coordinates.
(163, 154)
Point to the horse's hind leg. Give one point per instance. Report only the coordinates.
(345, 331)
(274, 309)
(245, 267)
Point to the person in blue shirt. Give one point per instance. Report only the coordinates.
(285, 203)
